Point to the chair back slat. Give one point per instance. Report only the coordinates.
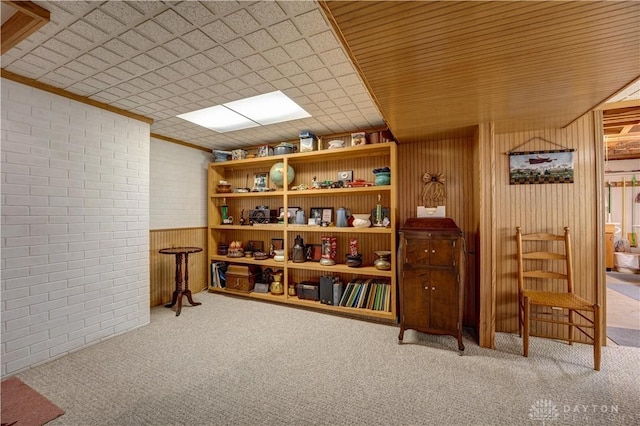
(545, 274)
(543, 255)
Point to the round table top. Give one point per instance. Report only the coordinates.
(180, 250)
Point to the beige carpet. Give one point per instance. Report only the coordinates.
(23, 406)
(233, 361)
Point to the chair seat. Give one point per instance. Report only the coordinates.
(559, 300)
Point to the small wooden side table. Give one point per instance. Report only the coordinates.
(180, 253)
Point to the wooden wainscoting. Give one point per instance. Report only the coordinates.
(163, 267)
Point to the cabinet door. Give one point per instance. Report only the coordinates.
(443, 303)
(442, 252)
(417, 251)
(415, 298)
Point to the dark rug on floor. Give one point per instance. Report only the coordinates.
(630, 278)
(21, 405)
(628, 290)
(624, 336)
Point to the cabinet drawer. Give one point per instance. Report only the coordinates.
(433, 252)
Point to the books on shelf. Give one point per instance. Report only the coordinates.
(218, 270)
(373, 293)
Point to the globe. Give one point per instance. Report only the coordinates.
(276, 174)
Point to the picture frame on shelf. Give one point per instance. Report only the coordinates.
(327, 214)
(276, 244)
(313, 252)
(260, 182)
(291, 216)
(254, 245)
(315, 214)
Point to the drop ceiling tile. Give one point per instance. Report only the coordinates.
(220, 74)
(106, 78)
(282, 83)
(149, 97)
(290, 68)
(256, 62)
(299, 49)
(199, 40)
(336, 93)
(86, 30)
(219, 31)
(148, 8)
(122, 11)
(189, 84)
(311, 63)
(267, 12)
(154, 31)
(237, 68)
(155, 79)
(324, 41)
(239, 48)
(349, 80)
(120, 48)
(134, 38)
(318, 97)
(235, 84)
(184, 67)
(49, 55)
(202, 79)
(57, 79)
(311, 89)
(128, 87)
(334, 56)
(106, 23)
(92, 61)
(276, 56)
(97, 85)
(194, 12)
(119, 74)
(300, 79)
(141, 84)
(81, 88)
(174, 89)
(162, 55)
(241, 21)
(269, 74)
(311, 22)
(320, 74)
(284, 32)
(106, 55)
(221, 8)
(169, 73)
(252, 79)
(73, 39)
(70, 72)
(132, 68)
(173, 22)
(219, 55)
(44, 65)
(62, 48)
(261, 40)
(180, 47)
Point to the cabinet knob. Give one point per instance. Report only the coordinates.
(426, 288)
(433, 251)
(433, 288)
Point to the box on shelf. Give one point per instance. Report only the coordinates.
(359, 138)
(308, 290)
(242, 277)
(308, 142)
(238, 154)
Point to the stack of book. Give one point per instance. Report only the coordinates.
(218, 270)
(373, 293)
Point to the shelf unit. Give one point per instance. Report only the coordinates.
(323, 165)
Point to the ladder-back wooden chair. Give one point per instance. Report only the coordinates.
(540, 258)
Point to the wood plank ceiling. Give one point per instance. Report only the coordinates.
(438, 68)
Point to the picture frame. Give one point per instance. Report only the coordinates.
(260, 182)
(538, 167)
(327, 214)
(254, 245)
(292, 213)
(313, 252)
(276, 244)
(315, 214)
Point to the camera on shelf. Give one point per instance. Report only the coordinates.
(262, 214)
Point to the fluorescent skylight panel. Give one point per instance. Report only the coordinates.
(270, 108)
(219, 118)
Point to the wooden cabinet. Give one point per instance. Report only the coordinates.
(610, 230)
(318, 166)
(431, 277)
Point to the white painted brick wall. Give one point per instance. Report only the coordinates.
(75, 225)
(178, 193)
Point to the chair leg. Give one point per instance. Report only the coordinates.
(597, 338)
(571, 330)
(525, 319)
(519, 317)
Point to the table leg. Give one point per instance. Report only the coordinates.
(177, 293)
(187, 292)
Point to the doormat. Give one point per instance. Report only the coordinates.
(23, 406)
(624, 336)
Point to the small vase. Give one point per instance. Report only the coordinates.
(382, 178)
(383, 262)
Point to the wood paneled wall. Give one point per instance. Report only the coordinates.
(547, 208)
(163, 266)
(455, 159)
(488, 209)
